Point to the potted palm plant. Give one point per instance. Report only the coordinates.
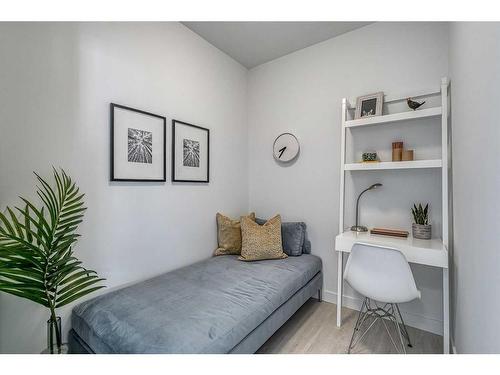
(421, 228)
(36, 252)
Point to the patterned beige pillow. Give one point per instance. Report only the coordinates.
(229, 234)
(261, 242)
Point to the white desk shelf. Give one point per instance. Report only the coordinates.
(414, 164)
(427, 252)
(395, 117)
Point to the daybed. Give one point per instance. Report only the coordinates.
(220, 305)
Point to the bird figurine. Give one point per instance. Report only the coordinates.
(413, 104)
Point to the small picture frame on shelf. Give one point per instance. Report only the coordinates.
(369, 105)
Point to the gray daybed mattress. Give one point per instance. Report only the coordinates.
(220, 305)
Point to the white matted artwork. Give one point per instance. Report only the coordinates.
(190, 152)
(137, 145)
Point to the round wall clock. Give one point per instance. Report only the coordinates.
(286, 147)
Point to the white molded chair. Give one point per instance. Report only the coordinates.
(381, 275)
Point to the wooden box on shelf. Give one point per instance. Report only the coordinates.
(397, 151)
(389, 232)
(407, 155)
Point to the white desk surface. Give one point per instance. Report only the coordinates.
(428, 252)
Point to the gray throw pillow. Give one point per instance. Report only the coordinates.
(307, 245)
(293, 236)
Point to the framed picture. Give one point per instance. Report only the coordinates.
(137, 145)
(190, 152)
(369, 105)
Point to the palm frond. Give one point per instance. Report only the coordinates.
(36, 256)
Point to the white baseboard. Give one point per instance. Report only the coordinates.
(422, 322)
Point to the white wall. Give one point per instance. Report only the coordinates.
(475, 79)
(302, 93)
(56, 83)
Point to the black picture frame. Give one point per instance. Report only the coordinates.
(174, 179)
(112, 127)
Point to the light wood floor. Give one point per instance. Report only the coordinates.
(313, 329)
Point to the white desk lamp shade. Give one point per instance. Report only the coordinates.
(380, 273)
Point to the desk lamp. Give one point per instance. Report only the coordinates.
(360, 228)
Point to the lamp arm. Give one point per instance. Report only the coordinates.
(357, 204)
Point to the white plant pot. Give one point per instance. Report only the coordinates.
(422, 232)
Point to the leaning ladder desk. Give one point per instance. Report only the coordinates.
(432, 253)
(427, 252)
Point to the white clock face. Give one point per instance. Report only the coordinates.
(286, 147)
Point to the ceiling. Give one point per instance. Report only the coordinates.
(254, 43)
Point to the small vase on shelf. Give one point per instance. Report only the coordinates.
(397, 151)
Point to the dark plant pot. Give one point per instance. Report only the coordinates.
(422, 232)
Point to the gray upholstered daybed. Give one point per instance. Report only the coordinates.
(220, 305)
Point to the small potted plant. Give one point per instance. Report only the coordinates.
(421, 228)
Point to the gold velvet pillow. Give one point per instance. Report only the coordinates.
(261, 242)
(229, 234)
